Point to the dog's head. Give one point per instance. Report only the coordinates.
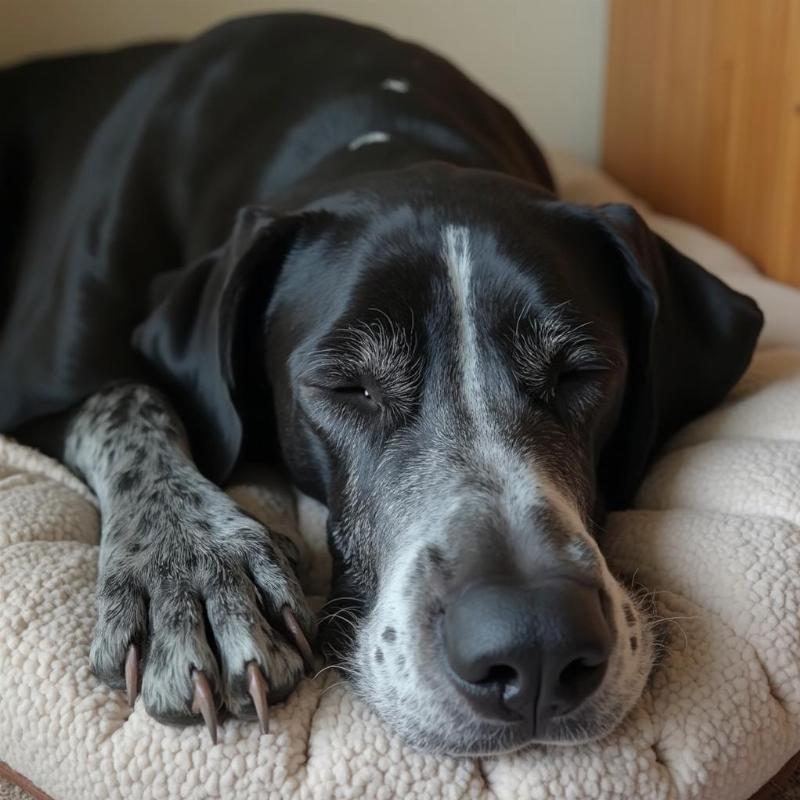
(466, 371)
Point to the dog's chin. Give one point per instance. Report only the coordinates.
(432, 719)
(451, 729)
(482, 739)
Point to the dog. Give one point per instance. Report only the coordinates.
(298, 241)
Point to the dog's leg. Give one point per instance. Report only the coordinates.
(202, 591)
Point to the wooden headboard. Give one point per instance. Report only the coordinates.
(703, 118)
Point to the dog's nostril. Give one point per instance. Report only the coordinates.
(499, 674)
(581, 677)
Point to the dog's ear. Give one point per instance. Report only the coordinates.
(690, 338)
(195, 320)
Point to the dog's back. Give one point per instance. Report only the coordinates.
(117, 167)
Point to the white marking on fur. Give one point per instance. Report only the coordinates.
(491, 449)
(399, 85)
(458, 257)
(373, 137)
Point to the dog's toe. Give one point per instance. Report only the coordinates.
(247, 637)
(177, 651)
(121, 623)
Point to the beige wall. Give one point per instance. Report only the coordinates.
(545, 58)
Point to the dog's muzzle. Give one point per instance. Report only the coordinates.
(526, 652)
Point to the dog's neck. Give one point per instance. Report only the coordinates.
(373, 151)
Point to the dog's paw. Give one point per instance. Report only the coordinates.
(204, 610)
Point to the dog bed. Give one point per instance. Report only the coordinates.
(714, 539)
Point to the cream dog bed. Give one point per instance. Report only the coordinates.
(715, 536)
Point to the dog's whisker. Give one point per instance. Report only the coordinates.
(339, 613)
(332, 686)
(332, 600)
(325, 669)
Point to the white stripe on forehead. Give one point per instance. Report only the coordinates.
(458, 258)
(523, 486)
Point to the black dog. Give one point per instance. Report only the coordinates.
(298, 240)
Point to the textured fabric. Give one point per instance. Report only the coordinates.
(715, 536)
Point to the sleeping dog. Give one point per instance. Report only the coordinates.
(299, 241)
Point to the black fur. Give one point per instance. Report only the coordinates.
(202, 254)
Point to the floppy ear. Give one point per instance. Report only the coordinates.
(690, 338)
(190, 334)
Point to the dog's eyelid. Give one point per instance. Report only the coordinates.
(560, 380)
(344, 388)
(538, 367)
(358, 390)
(585, 356)
(339, 380)
(582, 366)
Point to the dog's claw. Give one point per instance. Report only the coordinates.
(300, 641)
(257, 689)
(132, 674)
(203, 703)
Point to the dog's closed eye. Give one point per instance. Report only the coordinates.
(567, 378)
(363, 394)
(565, 383)
(559, 366)
(368, 368)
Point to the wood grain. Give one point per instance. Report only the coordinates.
(703, 118)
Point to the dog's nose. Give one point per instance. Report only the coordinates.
(535, 652)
